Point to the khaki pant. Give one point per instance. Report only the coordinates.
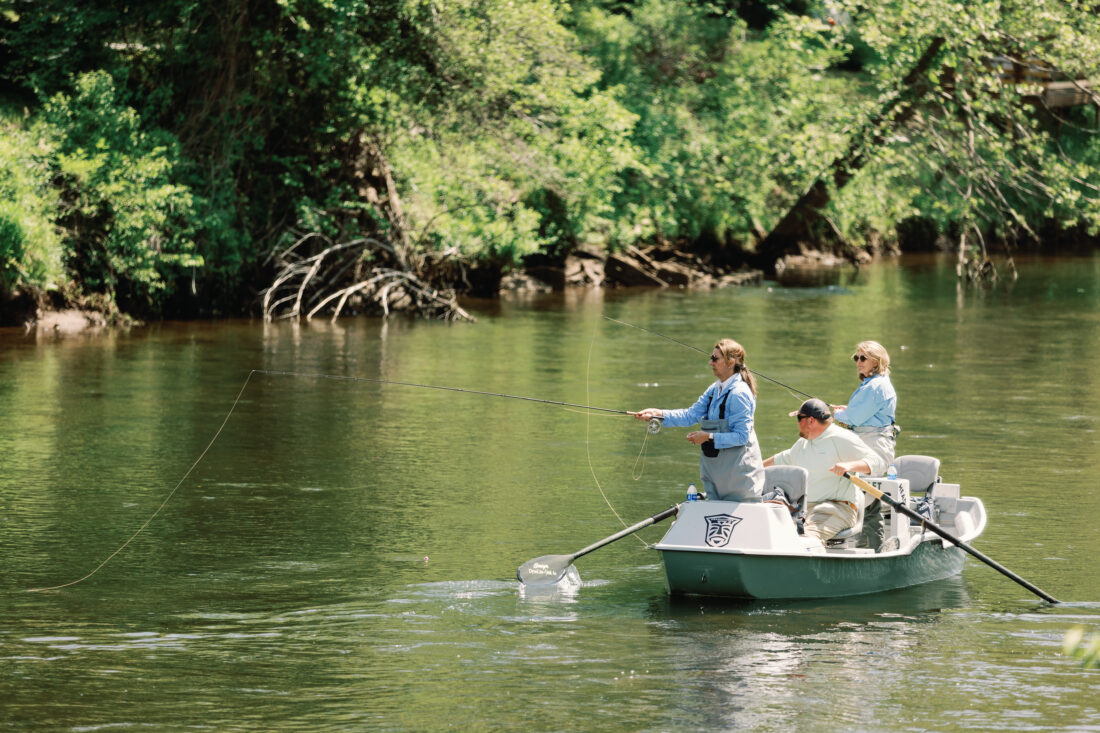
(880, 440)
(825, 519)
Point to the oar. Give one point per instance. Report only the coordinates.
(947, 536)
(551, 568)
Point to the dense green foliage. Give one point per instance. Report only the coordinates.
(156, 152)
(126, 224)
(30, 247)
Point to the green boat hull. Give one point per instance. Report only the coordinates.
(736, 575)
(753, 550)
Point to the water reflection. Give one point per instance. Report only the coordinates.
(774, 651)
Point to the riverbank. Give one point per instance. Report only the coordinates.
(644, 267)
(634, 267)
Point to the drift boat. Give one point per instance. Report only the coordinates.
(754, 550)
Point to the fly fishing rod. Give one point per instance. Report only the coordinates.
(654, 424)
(696, 348)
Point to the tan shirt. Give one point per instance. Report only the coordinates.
(817, 456)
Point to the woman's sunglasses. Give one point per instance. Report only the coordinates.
(860, 357)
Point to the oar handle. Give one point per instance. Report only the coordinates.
(925, 522)
(659, 516)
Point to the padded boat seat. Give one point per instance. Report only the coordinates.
(847, 537)
(787, 485)
(921, 471)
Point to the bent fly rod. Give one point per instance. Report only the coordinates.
(696, 348)
(654, 425)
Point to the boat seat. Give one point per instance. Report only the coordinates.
(787, 485)
(921, 471)
(847, 538)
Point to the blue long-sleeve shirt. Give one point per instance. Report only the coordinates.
(740, 408)
(871, 405)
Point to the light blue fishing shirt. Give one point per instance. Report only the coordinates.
(871, 405)
(740, 408)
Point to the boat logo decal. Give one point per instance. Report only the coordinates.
(720, 529)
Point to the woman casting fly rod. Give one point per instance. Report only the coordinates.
(730, 465)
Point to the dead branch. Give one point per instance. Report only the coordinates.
(367, 274)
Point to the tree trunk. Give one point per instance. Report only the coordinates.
(795, 227)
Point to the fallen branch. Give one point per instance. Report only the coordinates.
(367, 273)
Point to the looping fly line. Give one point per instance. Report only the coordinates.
(271, 372)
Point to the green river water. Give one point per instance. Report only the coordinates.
(343, 556)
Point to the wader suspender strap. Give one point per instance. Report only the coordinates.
(708, 448)
(721, 406)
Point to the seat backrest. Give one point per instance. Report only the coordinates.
(921, 471)
(791, 479)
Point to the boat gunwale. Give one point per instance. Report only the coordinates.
(915, 540)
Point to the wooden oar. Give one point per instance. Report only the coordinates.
(925, 522)
(551, 568)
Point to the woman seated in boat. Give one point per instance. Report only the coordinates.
(826, 451)
(730, 464)
(870, 409)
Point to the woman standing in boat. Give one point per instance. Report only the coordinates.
(870, 409)
(730, 466)
(870, 415)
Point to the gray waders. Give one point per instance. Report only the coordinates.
(881, 441)
(732, 474)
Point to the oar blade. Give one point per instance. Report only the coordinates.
(544, 570)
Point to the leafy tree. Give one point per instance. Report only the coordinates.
(727, 121)
(982, 155)
(30, 247)
(525, 152)
(127, 222)
(181, 143)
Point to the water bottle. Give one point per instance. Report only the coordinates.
(892, 473)
(693, 494)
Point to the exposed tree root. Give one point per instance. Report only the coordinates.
(315, 276)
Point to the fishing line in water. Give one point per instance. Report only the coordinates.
(225, 421)
(162, 504)
(652, 429)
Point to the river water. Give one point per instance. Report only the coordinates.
(342, 555)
